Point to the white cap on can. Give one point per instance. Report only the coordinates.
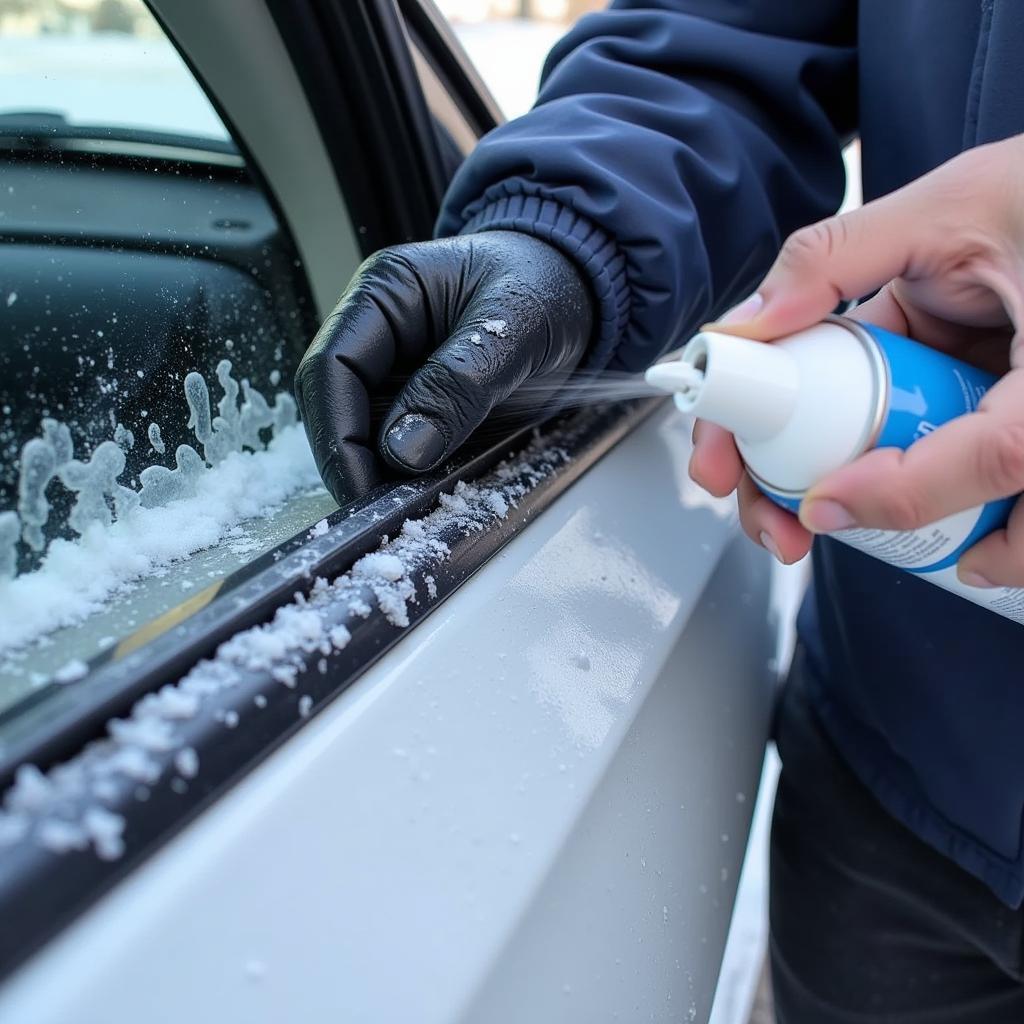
(799, 407)
(749, 387)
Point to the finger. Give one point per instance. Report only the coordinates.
(883, 310)
(765, 523)
(505, 335)
(474, 370)
(835, 260)
(998, 559)
(973, 459)
(335, 411)
(352, 354)
(895, 309)
(715, 463)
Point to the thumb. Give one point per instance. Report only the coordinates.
(835, 260)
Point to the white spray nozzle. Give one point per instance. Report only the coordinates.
(748, 387)
(675, 376)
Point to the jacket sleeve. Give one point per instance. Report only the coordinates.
(672, 148)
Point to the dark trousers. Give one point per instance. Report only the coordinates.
(867, 922)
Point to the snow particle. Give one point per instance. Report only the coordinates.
(499, 328)
(305, 705)
(381, 564)
(59, 836)
(187, 762)
(105, 829)
(339, 637)
(71, 671)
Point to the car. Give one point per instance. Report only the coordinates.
(478, 746)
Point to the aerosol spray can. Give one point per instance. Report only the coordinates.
(804, 405)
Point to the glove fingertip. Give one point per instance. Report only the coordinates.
(414, 443)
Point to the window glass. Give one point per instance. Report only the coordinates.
(508, 40)
(102, 63)
(152, 313)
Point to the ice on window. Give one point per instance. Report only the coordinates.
(125, 534)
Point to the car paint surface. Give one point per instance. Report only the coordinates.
(534, 807)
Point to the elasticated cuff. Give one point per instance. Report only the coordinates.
(593, 251)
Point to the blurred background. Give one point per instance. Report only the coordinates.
(507, 40)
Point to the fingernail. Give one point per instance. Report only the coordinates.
(770, 546)
(825, 516)
(975, 579)
(746, 310)
(415, 442)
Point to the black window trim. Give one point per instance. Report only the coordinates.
(352, 99)
(441, 47)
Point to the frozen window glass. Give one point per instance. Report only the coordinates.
(152, 313)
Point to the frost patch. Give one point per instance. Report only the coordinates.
(125, 534)
(187, 762)
(71, 672)
(499, 328)
(156, 441)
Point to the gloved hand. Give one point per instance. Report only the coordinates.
(470, 318)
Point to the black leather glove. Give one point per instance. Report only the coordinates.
(463, 322)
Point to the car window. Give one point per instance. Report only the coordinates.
(101, 64)
(152, 313)
(508, 40)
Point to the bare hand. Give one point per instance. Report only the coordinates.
(947, 253)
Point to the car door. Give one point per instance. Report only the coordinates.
(481, 746)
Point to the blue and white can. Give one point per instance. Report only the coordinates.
(805, 405)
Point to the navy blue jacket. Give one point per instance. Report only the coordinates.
(673, 146)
